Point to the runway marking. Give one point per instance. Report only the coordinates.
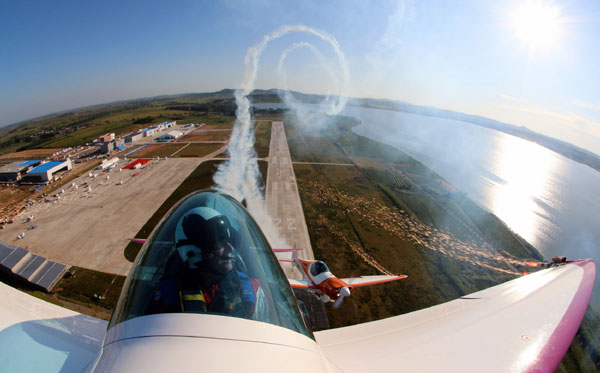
(291, 222)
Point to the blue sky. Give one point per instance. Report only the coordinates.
(461, 55)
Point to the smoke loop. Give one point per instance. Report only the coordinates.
(240, 175)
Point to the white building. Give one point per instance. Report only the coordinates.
(164, 125)
(133, 137)
(108, 162)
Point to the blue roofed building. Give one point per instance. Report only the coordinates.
(45, 172)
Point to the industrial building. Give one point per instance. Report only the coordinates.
(45, 172)
(164, 125)
(107, 147)
(132, 137)
(171, 135)
(149, 131)
(106, 138)
(16, 170)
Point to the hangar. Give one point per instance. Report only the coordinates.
(45, 171)
(171, 135)
(16, 170)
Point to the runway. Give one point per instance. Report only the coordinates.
(282, 197)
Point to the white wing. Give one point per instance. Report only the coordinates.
(525, 324)
(370, 280)
(39, 336)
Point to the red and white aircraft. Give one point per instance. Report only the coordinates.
(328, 287)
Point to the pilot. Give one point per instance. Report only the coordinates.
(205, 279)
(319, 267)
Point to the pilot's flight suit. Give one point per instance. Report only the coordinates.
(234, 294)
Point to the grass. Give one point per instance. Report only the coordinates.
(161, 151)
(198, 150)
(199, 135)
(262, 135)
(32, 153)
(84, 284)
(218, 126)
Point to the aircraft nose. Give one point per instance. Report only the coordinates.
(345, 291)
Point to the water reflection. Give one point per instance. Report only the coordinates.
(525, 169)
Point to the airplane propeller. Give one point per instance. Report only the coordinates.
(344, 292)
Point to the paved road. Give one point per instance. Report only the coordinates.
(282, 198)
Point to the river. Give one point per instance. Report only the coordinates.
(548, 199)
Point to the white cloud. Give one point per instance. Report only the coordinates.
(586, 105)
(511, 98)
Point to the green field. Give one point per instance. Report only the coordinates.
(166, 150)
(83, 125)
(215, 125)
(262, 136)
(198, 150)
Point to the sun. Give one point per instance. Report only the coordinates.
(537, 23)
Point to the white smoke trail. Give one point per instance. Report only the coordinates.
(239, 176)
(308, 114)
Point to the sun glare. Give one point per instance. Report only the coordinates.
(537, 23)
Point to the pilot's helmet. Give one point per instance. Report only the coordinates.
(200, 231)
(320, 267)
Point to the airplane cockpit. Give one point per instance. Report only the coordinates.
(208, 255)
(318, 267)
